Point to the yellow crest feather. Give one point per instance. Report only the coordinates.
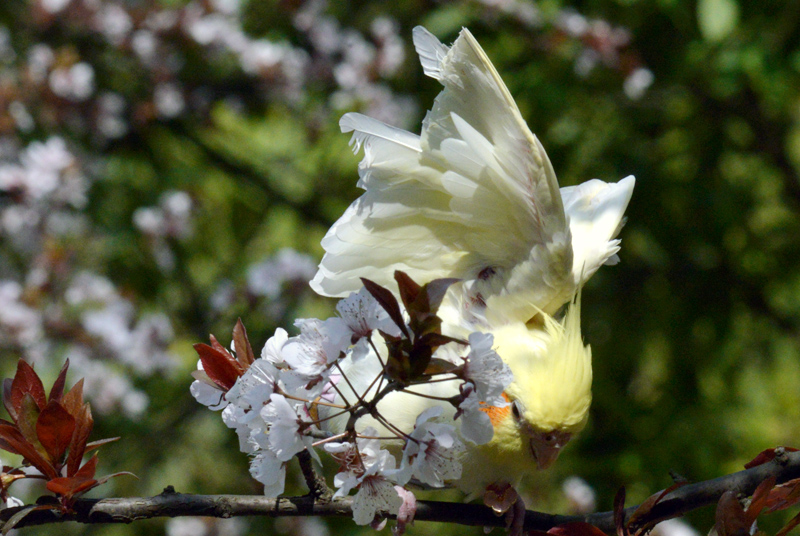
(552, 370)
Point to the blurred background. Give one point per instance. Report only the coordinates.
(167, 166)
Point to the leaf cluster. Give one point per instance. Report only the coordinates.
(410, 354)
(50, 433)
(221, 368)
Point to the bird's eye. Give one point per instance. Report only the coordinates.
(515, 409)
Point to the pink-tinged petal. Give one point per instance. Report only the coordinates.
(376, 495)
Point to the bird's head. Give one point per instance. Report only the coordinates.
(552, 388)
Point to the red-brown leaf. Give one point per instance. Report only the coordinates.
(436, 290)
(576, 528)
(73, 400)
(88, 469)
(7, 383)
(103, 480)
(388, 302)
(60, 485)
(409, 289)
(27, 381)
(221, 367)
(784, 496)
(216, 345)
(71, 486)
(759, 499)
(77, 447)
(244, 352)
(57, 391)
(5, 445)
(21, 446)
(54, 428)
(731, 519)
(26, 421)
(99, 443)
(766, 456)
(440, 366)
(646, 507)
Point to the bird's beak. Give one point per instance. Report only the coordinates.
(546, 446)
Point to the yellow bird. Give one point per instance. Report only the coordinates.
(475, 197)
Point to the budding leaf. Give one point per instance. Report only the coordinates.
(57, 391)
(244, 352)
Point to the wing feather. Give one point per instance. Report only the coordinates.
(474, 196)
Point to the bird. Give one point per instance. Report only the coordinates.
(475, 197)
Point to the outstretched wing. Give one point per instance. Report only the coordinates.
(474, 197)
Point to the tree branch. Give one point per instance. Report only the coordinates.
(785, 467)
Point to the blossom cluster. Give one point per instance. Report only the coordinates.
(52, 305)
(309, 392)
(52, 85)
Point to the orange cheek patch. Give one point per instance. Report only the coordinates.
(496, 415)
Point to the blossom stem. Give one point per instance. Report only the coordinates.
(329, 417)
(328, 439)
(392, 427)
(317, 402)
(380, 360)
(339, 392)
(360, 399)
(431, 397)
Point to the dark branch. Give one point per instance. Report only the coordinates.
(784, 467)
(317, 487)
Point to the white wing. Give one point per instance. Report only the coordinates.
(474, 197)
(595, 210)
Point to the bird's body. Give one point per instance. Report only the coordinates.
(475, 197)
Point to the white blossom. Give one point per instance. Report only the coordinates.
(359, 314)
(206, 394)
(486, 370)
(313, 350)
(272, 350)
(284, 433)
(367, 467)
(375, 494)
(431, 452)
(254, 388)
(476, 425)
(270, 471)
